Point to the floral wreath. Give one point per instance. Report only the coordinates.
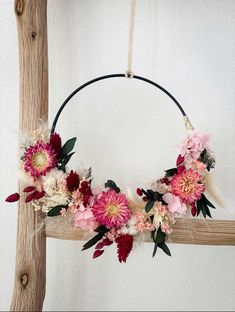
(56, 190)
(114, 218)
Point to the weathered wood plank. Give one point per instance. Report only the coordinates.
(186, 231)
(30, 271)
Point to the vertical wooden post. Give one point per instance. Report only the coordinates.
(30, 274)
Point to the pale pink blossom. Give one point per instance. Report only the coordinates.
(198, 165)
(63, 212)
(174, 204)
(194, 145)
(165, 227)
(84, 219)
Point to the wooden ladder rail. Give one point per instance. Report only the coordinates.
(30, 271)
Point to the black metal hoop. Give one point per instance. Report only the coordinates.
(107, 77)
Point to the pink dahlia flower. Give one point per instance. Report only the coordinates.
(174, 204)
(187, 186)
(39, 159)
(111, 209)
(194, 145)
(84, 219)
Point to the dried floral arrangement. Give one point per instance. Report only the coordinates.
(57, 190)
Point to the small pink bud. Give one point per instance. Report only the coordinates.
(12, 198)
(145, 198)
(179, 160)
(98, 253)
(180, 169)
(29, 189)
(139, 191)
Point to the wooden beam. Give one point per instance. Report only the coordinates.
(186, 231)
(30, 271)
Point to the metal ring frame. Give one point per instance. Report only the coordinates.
(107, 77)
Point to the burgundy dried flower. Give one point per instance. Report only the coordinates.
(139, 191)
(12, 198)
(180, 169)
(31, 197)
(29, 189)
(193, 210)
(39, 195)
(55, 142)
(97, 253)
(73, 181)
(124, 245)
(179, 160)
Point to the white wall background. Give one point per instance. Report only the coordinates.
(127, 131)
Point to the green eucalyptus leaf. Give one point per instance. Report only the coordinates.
(171, 172)
(208, 211)
(150, 194)
(155, 249)
(203, 208)
(66, 159)
(165, 248)
(156, 196)
(112, 185)
(207, 202)
(160, 236)
(149, 205)
(198, 207)
(55, 211)
(93, 241)
(68, 146)
(102, 229)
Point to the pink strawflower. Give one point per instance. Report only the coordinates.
(194, 145)
(174, 204)
(84, 219)
(187, 186)
(111, 209)
(39, 159)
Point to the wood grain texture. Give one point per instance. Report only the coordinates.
(186, 231)
(30, 271)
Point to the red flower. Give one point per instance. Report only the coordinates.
(55, 142)
(73, 181)
(12, 198)
(125, 245)
(86, 191)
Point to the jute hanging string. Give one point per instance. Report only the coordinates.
(107, 211)
(129, 72)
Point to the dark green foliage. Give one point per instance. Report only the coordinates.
(112, 185)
